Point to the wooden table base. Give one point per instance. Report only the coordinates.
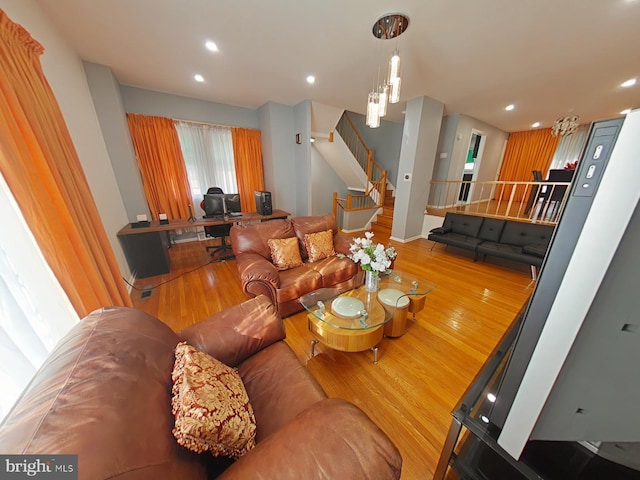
(342, 339)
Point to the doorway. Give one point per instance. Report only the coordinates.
(471, 165)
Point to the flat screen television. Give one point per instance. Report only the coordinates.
(214, 205)
(232, 203)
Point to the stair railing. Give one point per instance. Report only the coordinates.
(376, 175)
(536, 202)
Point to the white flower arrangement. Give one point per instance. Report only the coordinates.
(372, 257)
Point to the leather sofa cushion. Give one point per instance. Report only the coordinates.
(539, 249)
(510, 252)
(312, 224)
(491, 229)
(279, 387)
(296, 282)
(468, 225)
(521, 234)
(457, 240)
(210, 405)
(253, 237)
(334, 270)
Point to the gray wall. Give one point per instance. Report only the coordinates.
(105, 92)
(385, 141)
(302, 182)
(276, 122)
(420, 135)
(324, 181)
(148, 102)
(454, 144)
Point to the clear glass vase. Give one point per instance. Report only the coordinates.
(370, 281)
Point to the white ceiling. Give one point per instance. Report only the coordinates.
(548, 57)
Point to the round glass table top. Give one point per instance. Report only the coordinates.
(358, 309)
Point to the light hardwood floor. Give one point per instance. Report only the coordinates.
(419, 377)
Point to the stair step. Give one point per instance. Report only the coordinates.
(382, 229)
(378, 226)
(384, 220)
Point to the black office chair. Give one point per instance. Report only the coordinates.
(533, 195)
(218, 231)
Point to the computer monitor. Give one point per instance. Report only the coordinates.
(214, 205)
(232, 202)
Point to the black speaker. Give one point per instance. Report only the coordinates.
(263, 203)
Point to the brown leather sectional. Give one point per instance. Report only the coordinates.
(104, 394)
(259, 275)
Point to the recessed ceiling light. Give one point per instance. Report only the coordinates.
(625, 112)
(629, 83)
(508, 108)
(311, 79)
(211, 46)
(535, 125)
(198, 78)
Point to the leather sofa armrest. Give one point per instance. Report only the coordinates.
(235, 334)
(333, 437)
(258, 275)
(342, 243)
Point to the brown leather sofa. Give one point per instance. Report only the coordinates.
(104, 394)
(259, 275)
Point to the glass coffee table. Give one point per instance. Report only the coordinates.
(356, 320)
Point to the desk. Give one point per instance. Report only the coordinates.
(146, 248)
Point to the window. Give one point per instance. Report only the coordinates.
(34, 310)
(208, 157)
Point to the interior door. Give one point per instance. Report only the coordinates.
(471, 166)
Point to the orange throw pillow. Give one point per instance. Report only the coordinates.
(319, 245)
(210, 404)
(285, 252)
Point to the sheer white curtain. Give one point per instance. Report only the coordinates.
(208, 156)
(569, 148)
(34, 311)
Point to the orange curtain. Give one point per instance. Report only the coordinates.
(525, 152)
(247, 150)
(164, 175)
(39, 163)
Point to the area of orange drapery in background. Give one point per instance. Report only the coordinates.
(164, 176)
(247, 152)
(41, 167)
(525, 152)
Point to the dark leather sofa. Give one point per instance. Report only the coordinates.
(104, 394)
(259, 275)
(517, 241)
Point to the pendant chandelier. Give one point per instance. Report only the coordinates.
(565, 126)
(388, 90)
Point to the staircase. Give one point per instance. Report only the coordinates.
(375, 177)
(384, 220)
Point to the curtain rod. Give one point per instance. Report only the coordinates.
(212, 124)
(202, 123)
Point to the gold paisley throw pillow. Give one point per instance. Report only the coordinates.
(210, 404)
(285, 252)
(319, 245)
